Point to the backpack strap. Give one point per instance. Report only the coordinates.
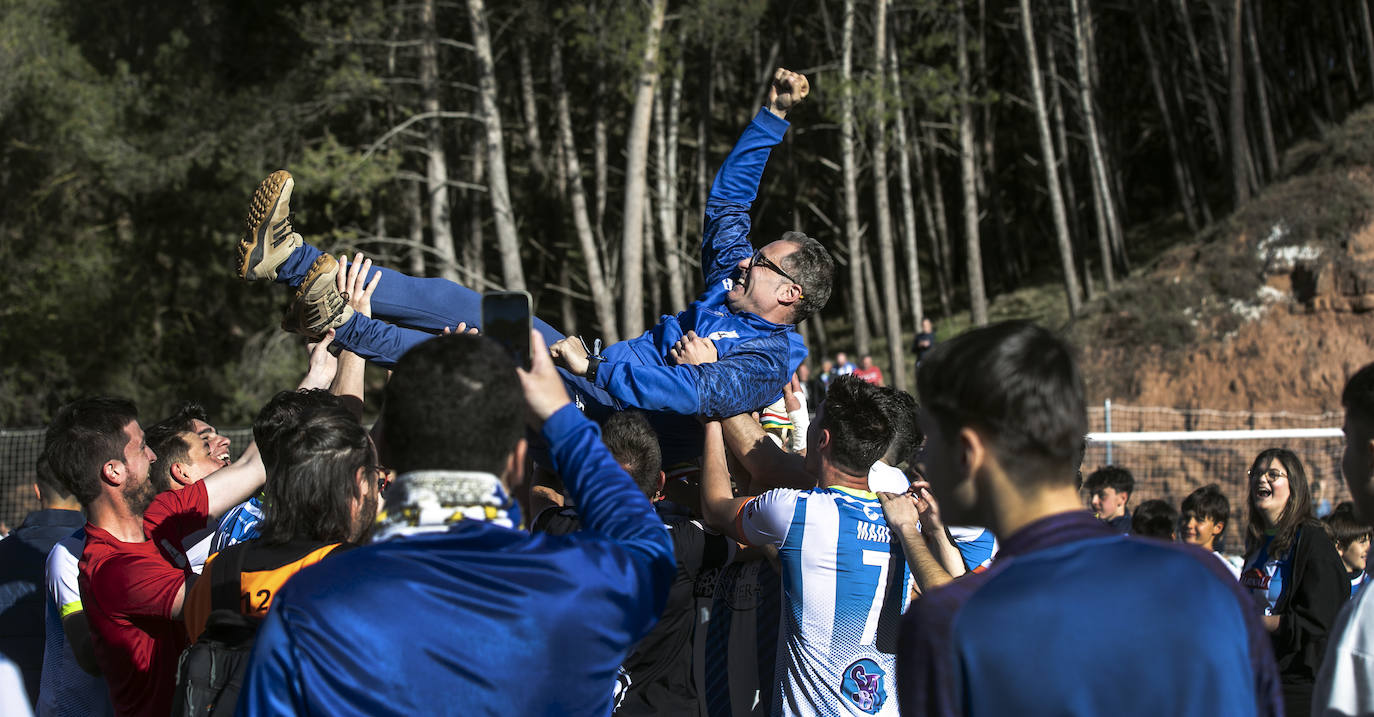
(225, 578)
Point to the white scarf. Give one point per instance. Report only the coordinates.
(433, 501)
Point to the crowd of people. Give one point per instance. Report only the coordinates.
(688, 523)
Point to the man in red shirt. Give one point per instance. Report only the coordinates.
(131, 592)
(868, 371)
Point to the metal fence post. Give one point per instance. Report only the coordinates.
(1107, 418)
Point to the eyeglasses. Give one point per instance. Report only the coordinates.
(760, 260)
(1273, 474)
(384, 477)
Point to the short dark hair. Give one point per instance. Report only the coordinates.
(48, 485)
(860, 429)
(439, 392)
(1016, 383)
(1358, 396)
(171, 448)
(1155, 519)
(182, 419)
(82, 437)
(1208, 502)
(1297, 512)
(283, 415)
(1115, 477)
(813, 268)
(906, 433)
(634, 445)
(311, 498)
(1344, 528)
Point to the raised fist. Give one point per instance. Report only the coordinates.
(789, 88)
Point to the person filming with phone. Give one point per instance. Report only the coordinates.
(461, 612)
(737, 343)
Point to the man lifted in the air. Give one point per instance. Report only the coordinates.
(752, 301)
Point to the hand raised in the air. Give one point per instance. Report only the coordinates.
(788, 90)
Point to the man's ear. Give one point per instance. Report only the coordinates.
(971, 453)
(658, 485)
(178, 472)
(363, 476)
(823, 444)
(1218, 527)
(513, 475)
(789, 293)
(113, 472)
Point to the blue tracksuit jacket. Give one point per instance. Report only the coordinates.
(477, 620)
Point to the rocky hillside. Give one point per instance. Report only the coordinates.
(1269, 310)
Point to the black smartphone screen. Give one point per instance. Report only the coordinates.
(506, 319)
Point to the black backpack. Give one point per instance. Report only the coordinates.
(210, 672)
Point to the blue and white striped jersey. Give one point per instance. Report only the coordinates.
(845, 583)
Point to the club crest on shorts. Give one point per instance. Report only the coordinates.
(863, 685)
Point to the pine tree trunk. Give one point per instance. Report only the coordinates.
(1204, 87)
(876, 308)
(498, 191)
(703, 139)
(928, 214)
(567, 316)
(1367, 25)
(1051, 164)
(474, 244)
(1062, 145)
(600, 163)
(978, 298)
(436, 165)
(1240, 146)
(1191, 158)
(665, 180)
(1347, 53)
(602, 302)
(1106, 214)
(913, 264)
(636, 159)
(1323, 80)
(653, 268)
(1271, 152)
(1185, 194)
(533, 141)
(415, 208)
(850, 180)
(945, 242)
(892, 316)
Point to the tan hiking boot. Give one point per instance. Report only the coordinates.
(319, 306)
(269, 238)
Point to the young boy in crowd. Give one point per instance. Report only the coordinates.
(1109, 491)
(1351, 537)
(1155, 519)
(1202, 521)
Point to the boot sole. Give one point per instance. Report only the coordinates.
(273, 194)
(306, 318)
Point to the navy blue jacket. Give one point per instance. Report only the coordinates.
(23, 557)
(1075, 619)
(478, 620)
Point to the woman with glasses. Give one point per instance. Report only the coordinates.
(1294, 572)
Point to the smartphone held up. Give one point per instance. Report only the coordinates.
(506, 318)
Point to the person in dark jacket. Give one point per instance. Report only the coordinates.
(1293, 571)
(23, 556)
